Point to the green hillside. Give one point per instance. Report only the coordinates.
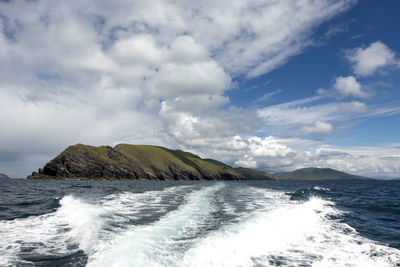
(125, 161)
(317, 174)
(254, 174)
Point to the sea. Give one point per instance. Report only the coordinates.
(199, 223)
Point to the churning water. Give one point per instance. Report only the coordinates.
(252, 223)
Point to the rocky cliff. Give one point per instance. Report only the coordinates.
(137, 162)
(2, 175)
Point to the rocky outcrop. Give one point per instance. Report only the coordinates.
(89, 162)
(3, 176)
(134, 162)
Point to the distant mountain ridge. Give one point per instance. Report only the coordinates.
(317, 174)
(125, 161)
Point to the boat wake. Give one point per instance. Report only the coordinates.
(215, 225)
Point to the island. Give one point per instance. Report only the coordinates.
(139, 162)
(317, 174)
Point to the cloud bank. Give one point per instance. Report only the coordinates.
(157, 72)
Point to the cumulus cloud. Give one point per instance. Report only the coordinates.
(285, 154)
(318, 127)
(140, 49)
(156, 73)
(246, 161)
(191, 126)
(349, 86)
(366, 61)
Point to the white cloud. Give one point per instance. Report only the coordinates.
(366, 61)
(186, 49)
(286, 154)
(353, 107)
(259, 36)
(318, 127)
(139, 50)
(267, 96)
(349, 86)
(246, 162)
(283, 118)
(155, 73)
(267, 146)
(191, 125)
(174, 79)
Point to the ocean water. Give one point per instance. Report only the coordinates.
(248, 223)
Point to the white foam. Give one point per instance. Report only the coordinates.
(75, 225)
(244, 201)
(292, 234)
(157, 244)
(84, 219)
(321, 188)
(75, 222)
(269, 229)
(135, 205)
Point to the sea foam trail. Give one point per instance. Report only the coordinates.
(160, 243)
(218, 225)
(72, 227)
(141, 207)
(290, 234)
(77, 225)
(84, 219)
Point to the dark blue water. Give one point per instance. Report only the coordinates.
(150, 223)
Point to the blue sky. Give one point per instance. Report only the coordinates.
(319, 65)
(272, 85)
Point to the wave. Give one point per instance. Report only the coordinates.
(159, 243)
(271, 230)
(294, 234)
(216, 225)
(72, 227)
(77, 225)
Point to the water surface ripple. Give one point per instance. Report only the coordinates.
(171, 223)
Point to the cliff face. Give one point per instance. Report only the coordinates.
(134, 162)
(2, 175)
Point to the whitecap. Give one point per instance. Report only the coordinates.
(160, 243)
(72, 227)
(290, 234)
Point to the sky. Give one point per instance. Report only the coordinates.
(272, 85)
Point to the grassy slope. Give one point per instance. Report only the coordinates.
(95, 152)
(317, 174)
(254, 174)
(154, 158)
